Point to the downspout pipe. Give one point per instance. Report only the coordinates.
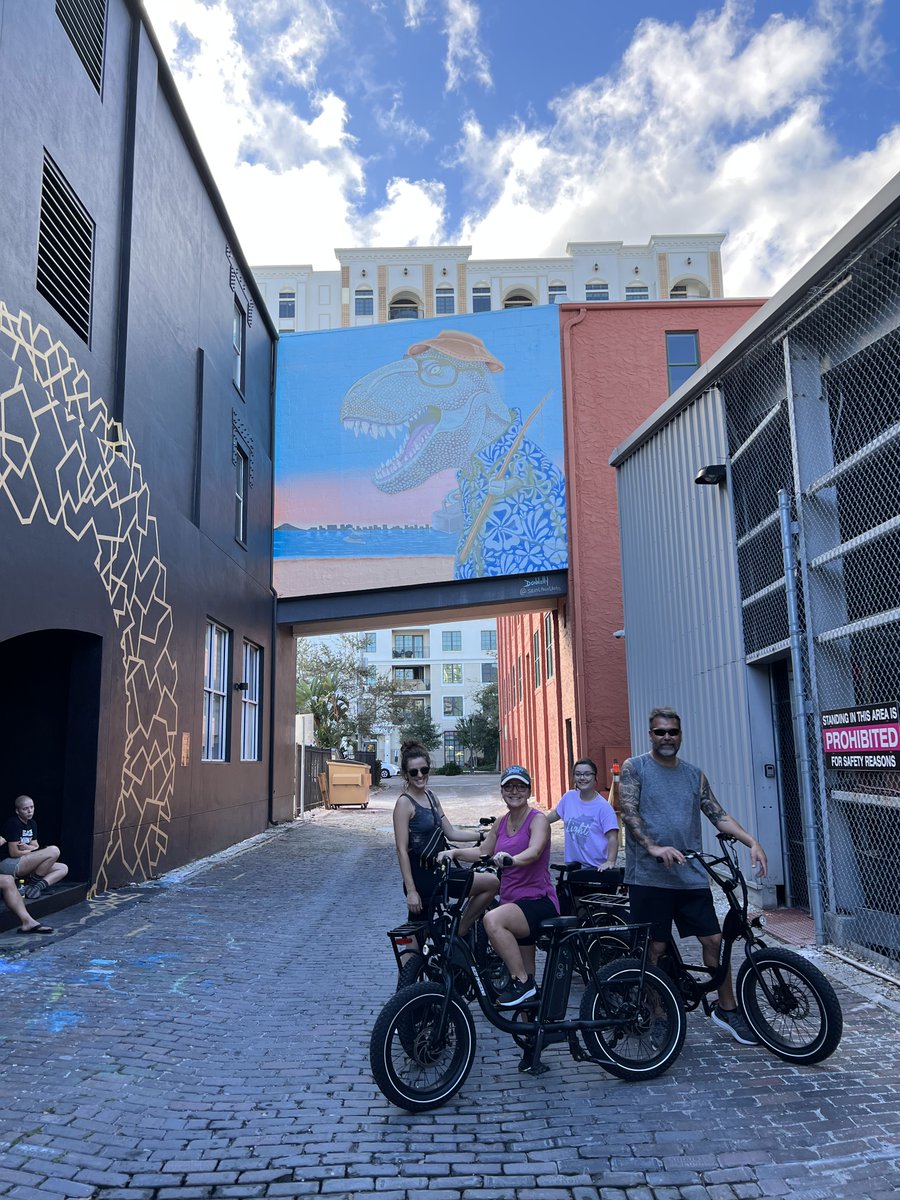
(273, 653)
(572, 536)
(804, 768)
(126, 211)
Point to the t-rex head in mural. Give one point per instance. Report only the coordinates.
(440, 398)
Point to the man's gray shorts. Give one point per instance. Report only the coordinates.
(8, 866)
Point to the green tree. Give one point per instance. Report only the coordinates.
(416, 725)
(321, 696)
(479, 733)
(347, 698)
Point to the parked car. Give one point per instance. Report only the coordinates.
(388, 769)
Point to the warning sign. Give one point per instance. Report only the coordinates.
(862, 739)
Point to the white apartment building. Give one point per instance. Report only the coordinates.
(440, 668)
(376, 284)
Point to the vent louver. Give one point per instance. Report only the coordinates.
(65, 250)
(85, 23)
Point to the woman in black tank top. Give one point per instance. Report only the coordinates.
(416, 814)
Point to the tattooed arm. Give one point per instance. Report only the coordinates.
(710, 807)
(630, 809)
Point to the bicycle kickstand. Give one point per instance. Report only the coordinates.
(530, 1063)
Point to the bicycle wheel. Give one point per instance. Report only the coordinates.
(800, 1018)
(412, 971)
(416, 1066)
(605, 948)
(651, 1025)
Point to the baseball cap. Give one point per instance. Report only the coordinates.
(515, 773)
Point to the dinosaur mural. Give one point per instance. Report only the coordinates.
(444, 401)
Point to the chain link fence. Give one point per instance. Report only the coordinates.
(813, 420)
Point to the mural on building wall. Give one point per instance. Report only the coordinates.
(95, 492)
(473, 486)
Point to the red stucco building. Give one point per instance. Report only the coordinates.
(562, 681)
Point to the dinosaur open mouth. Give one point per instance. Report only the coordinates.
(418, 430)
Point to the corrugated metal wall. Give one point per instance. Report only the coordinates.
(684, 642)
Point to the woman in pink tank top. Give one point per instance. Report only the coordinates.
(520, 844)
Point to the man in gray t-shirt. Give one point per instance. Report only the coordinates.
(661, 798)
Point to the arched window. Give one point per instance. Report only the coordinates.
(637, 291)
(404, 307)
(365, 302)
(557, 293)
(689, 289)
(519, 299)
(596, 290)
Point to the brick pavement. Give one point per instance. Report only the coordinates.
(206, 1036)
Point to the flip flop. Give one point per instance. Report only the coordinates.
(36, 929)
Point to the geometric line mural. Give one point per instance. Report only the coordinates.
(96, 492)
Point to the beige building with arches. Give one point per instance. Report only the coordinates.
(373, 285)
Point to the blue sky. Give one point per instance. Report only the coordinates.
(515, 126)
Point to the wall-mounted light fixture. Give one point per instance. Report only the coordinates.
(713, 474)
(406, 270)
(688, 260)
(444, 271)
(637, 270)
(243, 686)
(596, 268)
(363, 273)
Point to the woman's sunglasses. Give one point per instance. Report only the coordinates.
(415, 772)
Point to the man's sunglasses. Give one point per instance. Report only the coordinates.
(661, 733)
(415, 772)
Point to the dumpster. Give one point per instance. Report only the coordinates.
(347, 783)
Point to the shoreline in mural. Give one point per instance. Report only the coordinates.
(472, 482)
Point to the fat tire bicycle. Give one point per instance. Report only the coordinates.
(786, 1000)
(597, 898)
(630, 1021)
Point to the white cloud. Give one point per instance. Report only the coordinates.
(711, 128)
(414, 13)
(413, 215)
(393, 121)
(465, 58)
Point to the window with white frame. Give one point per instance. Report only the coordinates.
(241, 484)
(251, 710)
(369, 641)
(557, 292)
(637, 291)
(481, 299)
(488, 672)
(364, 302)
(536, 655)
(453, 706)
(596, 291)
(444, 301)
(548, 644)
(215, 693)
(287, 305)
(452, 673)
(238, 344)
(682, 356)
(451, 639)
(489, 641)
